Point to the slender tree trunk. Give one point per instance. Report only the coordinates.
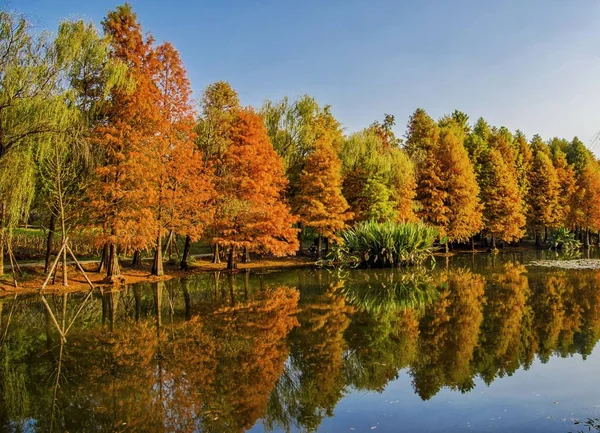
(446, 247)
(2, 235)
(231, 265)
(493, 242)
(472, 243)
(51, 230)
(246, 256)
(326, 246)
(545, 234)
(538, 239)
(157, 264)
(103, 258)
(137, 296)
(158, 295)
(136, 262)
(186, 253)
(187, 300)
(300, 233)
(216, 255)
(319, 247)
(587, 238)
(113, 270)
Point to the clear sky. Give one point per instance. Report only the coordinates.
(527, 64)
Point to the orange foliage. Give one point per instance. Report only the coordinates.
(252, 212)
(320, 203)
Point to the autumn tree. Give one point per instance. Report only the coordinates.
(182, 183)
(120, 198)
(251, 211)
(565, 174)
(421, 144)
(462, 200)
(503, 214)
(446, 185)
(219, 107)
(542, 199)
(585, 207)
(320, 204)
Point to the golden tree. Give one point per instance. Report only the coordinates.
(320, 203)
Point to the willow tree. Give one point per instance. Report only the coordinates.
(30, 110)
(378, 179)
(87, 75)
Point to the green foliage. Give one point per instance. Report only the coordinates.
(385, 245)
(563, 239)
(391, 293)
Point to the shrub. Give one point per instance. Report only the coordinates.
(384, 245)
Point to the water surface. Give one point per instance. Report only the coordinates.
(483, 344)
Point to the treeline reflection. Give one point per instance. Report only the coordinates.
(220, 352)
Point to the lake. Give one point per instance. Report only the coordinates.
(481, 343)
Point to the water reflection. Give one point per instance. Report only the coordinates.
(220, 352)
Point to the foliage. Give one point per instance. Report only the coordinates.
(389, 244)
(563, 239)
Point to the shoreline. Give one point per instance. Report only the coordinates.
(77, 283)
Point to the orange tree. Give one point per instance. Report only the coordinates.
(252, 213)
(181, 184)
(120, 195)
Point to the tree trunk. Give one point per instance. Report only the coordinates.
(51, 230)
(216, 256)
(301, 227)
(587, 238)
(545, 234)
(65, 278)
(472, 243)
(136, 262)
(187, 300)
(137, 296)
(538, 239)
(113, 270)
(2, 235)
(319, 247)
(446, 247)
(186, 253)
(157, 263)
(231, 265)
(326, 246)
(103, 259)
(246, 256)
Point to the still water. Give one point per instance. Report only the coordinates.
(481, 344)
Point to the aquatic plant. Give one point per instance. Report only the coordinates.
(563, 239)
(371, 244)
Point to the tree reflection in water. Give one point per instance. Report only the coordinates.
(219, 353)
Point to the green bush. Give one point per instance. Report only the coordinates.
(563, 239)
(384, 245)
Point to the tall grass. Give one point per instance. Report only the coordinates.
(385, 245)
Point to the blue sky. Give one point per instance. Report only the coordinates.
(529, 64)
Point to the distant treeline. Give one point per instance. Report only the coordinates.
(99, 134)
